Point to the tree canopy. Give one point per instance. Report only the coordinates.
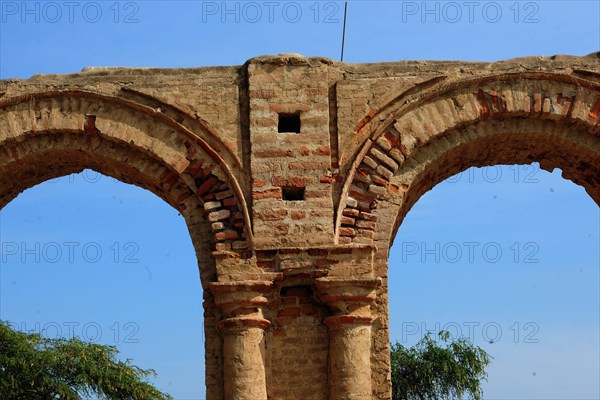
(36, 368)
(430, 372)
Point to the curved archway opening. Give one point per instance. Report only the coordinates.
(411, 156)
(508, 257)
(490, 143)
(86, 255)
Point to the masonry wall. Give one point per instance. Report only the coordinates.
(293, 174)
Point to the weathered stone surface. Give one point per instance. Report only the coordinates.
(292, 229)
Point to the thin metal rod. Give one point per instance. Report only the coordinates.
(344, 31)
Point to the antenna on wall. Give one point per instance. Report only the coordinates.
(344, 30)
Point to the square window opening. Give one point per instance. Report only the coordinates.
(292, 193)
(289, 123)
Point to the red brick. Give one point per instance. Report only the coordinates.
(351, 212)
(366, 233)
(393, 139)
(296, 215)
(322, 151)
(347, 232)
(368, 216)
(207, 185)
(288, 181)
(230, 202)
(319, 213)
(223, 195)
(380, 181)
(348, 221)
(194, 168)
(267, 194)
(226, 235)
(365, 224)
(258, 183)
(360, 196)
(238, 224)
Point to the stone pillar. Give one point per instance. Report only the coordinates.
(243, 328)
(349, 335)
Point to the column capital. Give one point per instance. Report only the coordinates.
(348, 298)
(242, 303)
(241, 292)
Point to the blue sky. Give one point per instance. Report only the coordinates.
(508, 256)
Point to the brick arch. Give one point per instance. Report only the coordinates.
(47, 135)
(422, 138)
(44, 135)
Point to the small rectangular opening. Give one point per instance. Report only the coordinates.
(289, 123)
(292, 193)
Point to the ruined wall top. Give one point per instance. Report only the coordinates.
(292, 188)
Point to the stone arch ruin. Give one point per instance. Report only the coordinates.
(293, 174)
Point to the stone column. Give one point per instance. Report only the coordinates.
(243, 328)
(349, 335)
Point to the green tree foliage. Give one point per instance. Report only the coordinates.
(430, 372)
(37, 368)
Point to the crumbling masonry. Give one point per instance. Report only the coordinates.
(293, 175)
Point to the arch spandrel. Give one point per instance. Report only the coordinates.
(526, 109)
